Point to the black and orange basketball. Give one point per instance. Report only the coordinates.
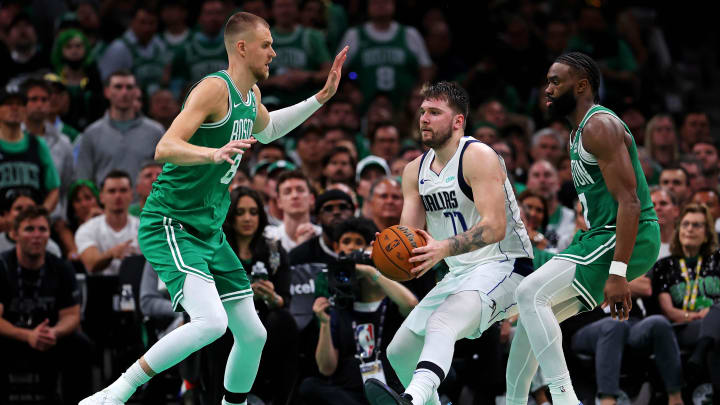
(392, 250)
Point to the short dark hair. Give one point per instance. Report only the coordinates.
(363, 226)
(10, 196)
(678, 167)
(452, 93)
(292, 174)
(272, 145)
(586, 67)
(336, 151)
(118, 73)
(707, 190)
(116, 174)
(31, 212)
(382, 124)
(32, 83)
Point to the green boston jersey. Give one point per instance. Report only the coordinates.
(599, 207)
(199, 56)
(388, 66)
(302, 49)
(198, 196)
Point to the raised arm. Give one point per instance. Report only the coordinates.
(413, 212)
(208, 102)
(606, 139)
(483, 172)
(270, 126)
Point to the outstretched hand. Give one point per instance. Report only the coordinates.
(229, 150)
(333, 80)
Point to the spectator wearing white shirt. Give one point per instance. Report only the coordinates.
(105, 240)
(295, 199)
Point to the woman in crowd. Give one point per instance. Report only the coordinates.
(84, 203)
(686, 284)
(267, 266)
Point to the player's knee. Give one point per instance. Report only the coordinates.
(394, 352)
(215, 325)
(525, 293)
(254, 336)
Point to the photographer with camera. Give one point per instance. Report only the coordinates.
(359, 316)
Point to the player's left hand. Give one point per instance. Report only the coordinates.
(429, 255)
(333, 80)
(617, 296)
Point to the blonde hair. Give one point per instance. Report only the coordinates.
(650, 128)
(239, 23)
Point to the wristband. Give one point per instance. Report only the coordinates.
(618, 268)
(376, 276)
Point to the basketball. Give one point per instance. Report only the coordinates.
(392, 250)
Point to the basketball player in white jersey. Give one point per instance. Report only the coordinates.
(460, 190)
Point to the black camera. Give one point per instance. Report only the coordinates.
(343, 282)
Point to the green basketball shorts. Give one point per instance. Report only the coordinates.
(175, 251)
(593, 251)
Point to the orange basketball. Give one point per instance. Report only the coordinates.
(392, 250)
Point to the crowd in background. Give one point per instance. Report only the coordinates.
(90, 86)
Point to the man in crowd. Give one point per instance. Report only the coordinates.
(139, 50)
(543, 180)
(37, 94)
(105, 240)
(695, 128)
(339, 167)
(385, 141)
(386, 201)
(547, 144)
(145, 179)
(295, 200)
(121, 139)
(40, 313)
(25, 160)
(368, 171)
(676, 179)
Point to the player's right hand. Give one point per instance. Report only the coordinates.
(618, 297)
(229, 150)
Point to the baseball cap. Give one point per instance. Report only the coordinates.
(6, 95)
(330, 195)
(275, 167)
(263, 164)
(371, 160)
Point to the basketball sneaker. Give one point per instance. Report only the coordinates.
(101, 398)
(378, 393)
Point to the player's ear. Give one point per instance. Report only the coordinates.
(459, 120)
(582, 86)
(241, 47)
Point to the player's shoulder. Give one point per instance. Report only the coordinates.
(603, 122)
(478, 150)
(209, 91)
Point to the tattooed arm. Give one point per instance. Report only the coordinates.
(483, 172)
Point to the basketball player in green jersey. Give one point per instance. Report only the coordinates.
(180, 226)
(621, 244)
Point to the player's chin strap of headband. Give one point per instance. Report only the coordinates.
(286, 119)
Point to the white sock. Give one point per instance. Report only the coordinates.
(563, 393)
(123, 388)
(424, 383)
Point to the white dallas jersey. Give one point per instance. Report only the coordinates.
(450, 210)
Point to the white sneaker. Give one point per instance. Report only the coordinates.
(101, 398)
